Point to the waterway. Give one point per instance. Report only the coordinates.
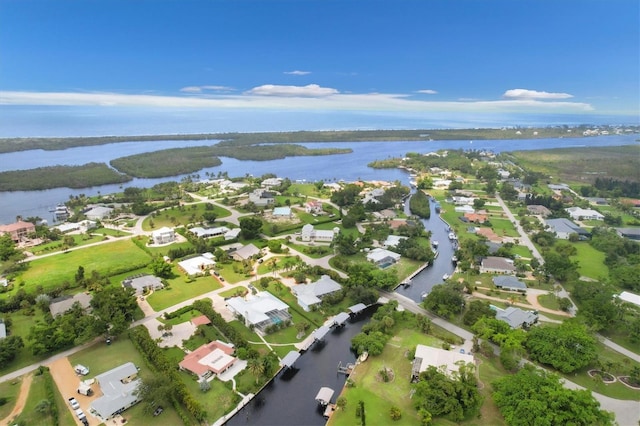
(289, 398)
(422, 283)
(346, 167)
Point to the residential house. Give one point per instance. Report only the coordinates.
(476, 217)
(309, 233)
(386, 214)
(558, 186)
(271, 182)
(61, 305)
(197, 265)
(210, 359)
(18, 231)
(246, 252)
(448, 361)
(497, 265)
(118, 388)
(382, 257)
(511, 283)
(393, 241)
(538, 210)
(163, 235)
(313, 207)
(441, 183)
(209, 232)
(261, 197)
(260, 310)
(462, 201)
(312, 293)
(578, 213)
(516, 317)
(372, 196)
(630, 233)
(282, 212)
(563, 228)
(98, 213)
(232, 234)
(464, 209)
(143, 283)
(629, 297)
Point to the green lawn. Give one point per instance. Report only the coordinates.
(549, 301)
(522, 251)
(21, 325)
(590, 261)
(180, 290)
(37, 393)
(107, 259)
(181, 215)
(233, 292)
(9, 390)
(56, 246)
(217, 401)
(504, 227)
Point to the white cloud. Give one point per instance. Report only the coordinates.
(297, 72)
(308, 91)
(534, 94)
(428, 92)
(200, 89)
(311, 97)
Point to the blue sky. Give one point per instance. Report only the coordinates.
(285, 65)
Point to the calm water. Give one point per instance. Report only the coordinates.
(335, 167)
(289, 398)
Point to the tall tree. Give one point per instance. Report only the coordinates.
(566, 347)
(250, 227)
(115, 307)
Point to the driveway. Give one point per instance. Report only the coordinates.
(178, 333)
(67, 381)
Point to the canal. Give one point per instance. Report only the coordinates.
(289, 398)
(425, 280)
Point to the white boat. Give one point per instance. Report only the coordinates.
(445, 277)
(452, 236)
(424, 295)
(434, 243)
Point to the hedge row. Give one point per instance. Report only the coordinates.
(228, 331)
(158, 361)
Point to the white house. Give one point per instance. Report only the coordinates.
(393, 241)
(245, 252)
(309, 233)
(259, 310)
(261, 198)
(563, 228)
(118, 391)
(626, 296)
(463, 209)
(163, 235)
(270, 182)
(578, 213)
(382, 257)
(98, 213)
(313, 207)
(209, 232)
(196, 265)
(312, 293)
(449, 361)
(281, 212)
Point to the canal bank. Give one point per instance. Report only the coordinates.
(289, 398)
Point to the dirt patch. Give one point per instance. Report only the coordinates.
(67, 381)
(21, 400)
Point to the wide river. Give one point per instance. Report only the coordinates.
(347, 167)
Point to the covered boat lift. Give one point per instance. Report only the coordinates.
(324, 395)
(321, 332)
(340, 319)
(289, 359)
(357, 308)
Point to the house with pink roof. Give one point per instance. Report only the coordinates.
(210, 359)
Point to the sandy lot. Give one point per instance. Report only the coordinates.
(20, 401)
(179, 333)
(67, 381)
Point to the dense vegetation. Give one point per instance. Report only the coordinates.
(91, 174)
(168, 162)
(532, 396)
(419, 205)
(25, 144)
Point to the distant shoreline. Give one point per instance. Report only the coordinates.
(8, 145)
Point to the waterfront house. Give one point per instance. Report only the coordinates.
(18, 231)
(449, 361)
(382, 257)
(261, 197)
(209, 232)
(281, 212)
(312, 293)
(118, 388)
(259, 311)
(393, 241)
(210, 359)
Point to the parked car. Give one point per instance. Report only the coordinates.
(80, 414)
(158, 411)
(74, 403)
(81, 369)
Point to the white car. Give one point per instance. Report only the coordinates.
(74, 403)
(81, 369)
(80, 414)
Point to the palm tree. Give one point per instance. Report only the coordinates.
(256, 368)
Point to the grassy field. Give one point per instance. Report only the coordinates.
(21, 325)
(216, 401)
(504, 228)
(182, 215)
(180, 290)
(9, 390)
(591, 261)
(56, 246)
(29, 415)
(583, 165)
(107, 259)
